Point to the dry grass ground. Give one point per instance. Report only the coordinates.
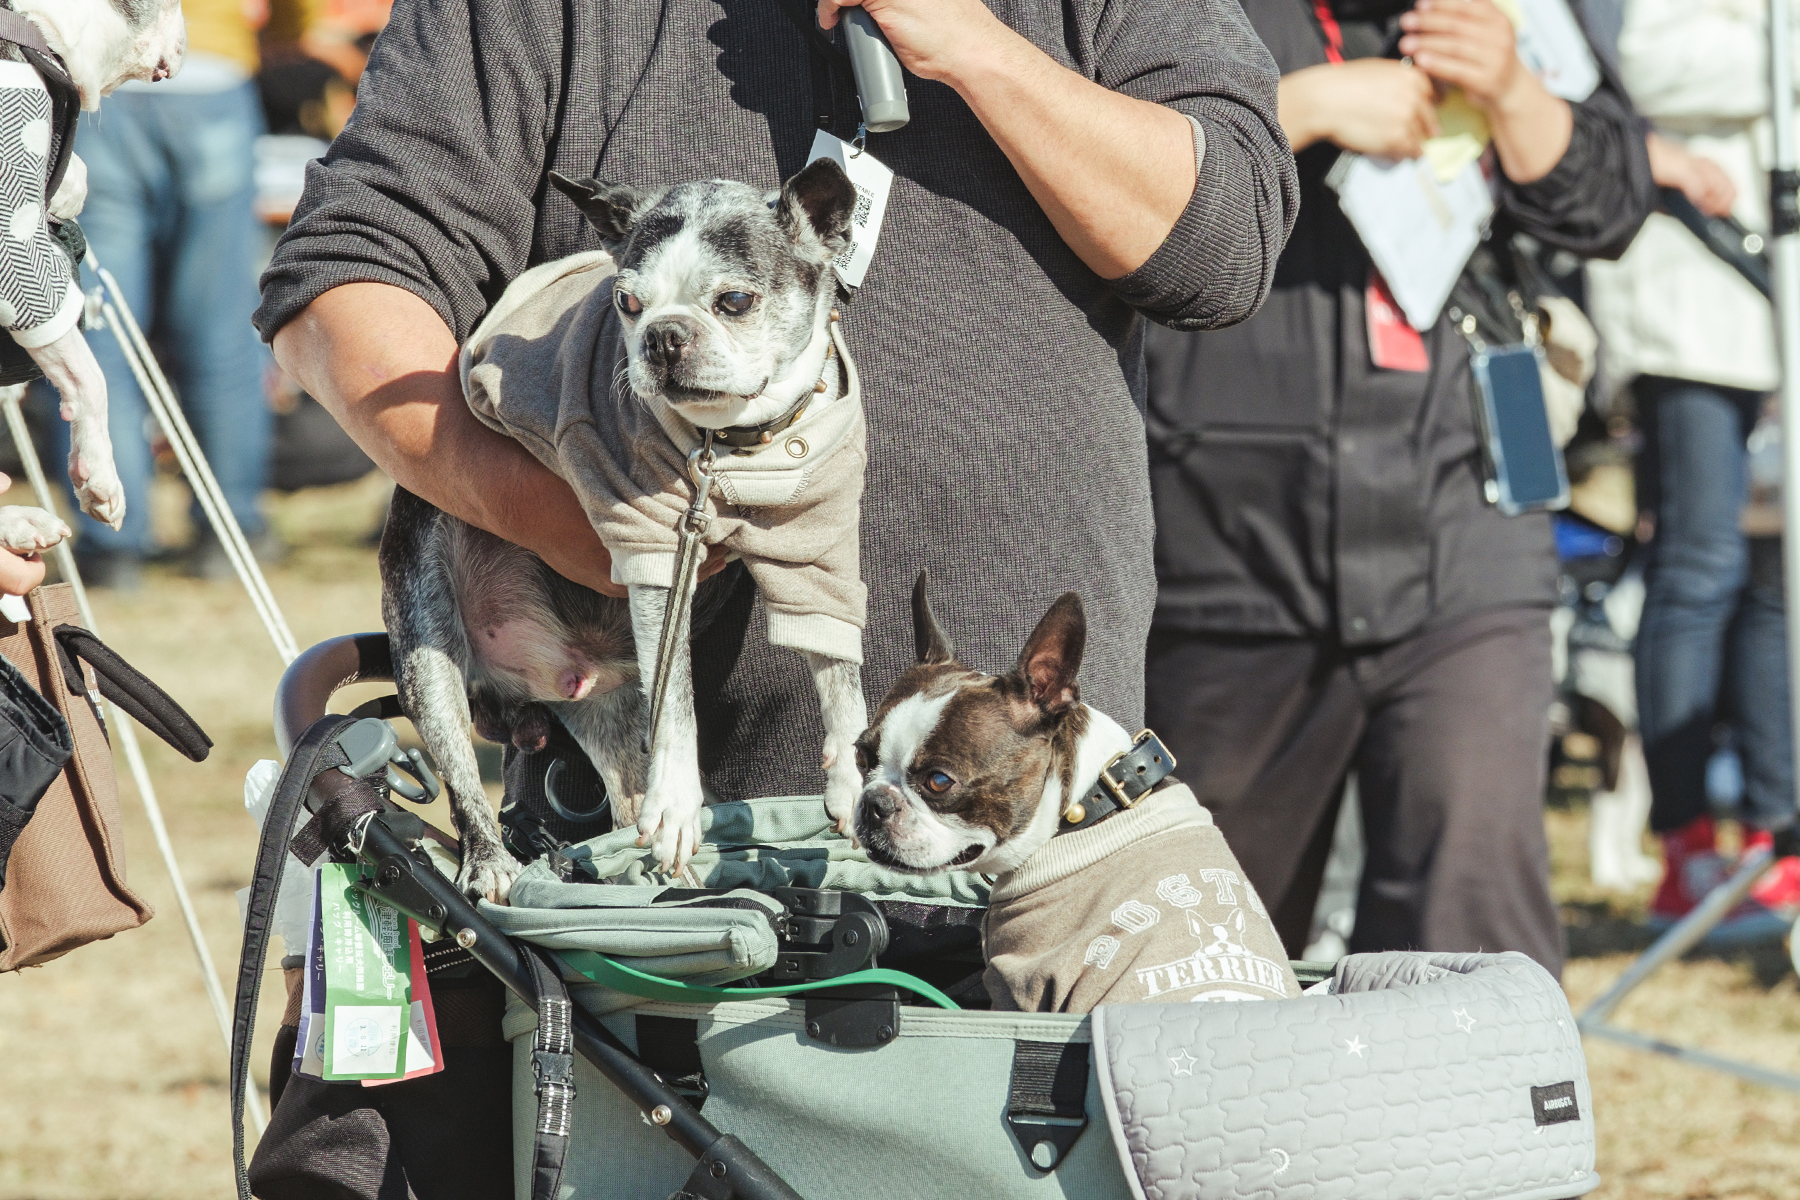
(114, 1075)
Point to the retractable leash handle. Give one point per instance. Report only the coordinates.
(880, 86)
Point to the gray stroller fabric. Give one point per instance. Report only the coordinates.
(1420, 1075)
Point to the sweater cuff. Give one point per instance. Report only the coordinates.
(65, 319)
(644, 568)
(817, 633)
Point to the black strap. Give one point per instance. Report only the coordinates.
(1046, 1100)
(314, 753)
(1128, 778)
(131, 690)
(553, 1065)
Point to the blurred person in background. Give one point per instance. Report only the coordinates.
(169, 213)
(1694, 343)
(1335, 593)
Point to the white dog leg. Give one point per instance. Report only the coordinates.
(846, 715)
(69, 365)
(29, 530)
(669, 821)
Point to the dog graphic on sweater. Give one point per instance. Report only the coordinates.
(99, 44)
(1112, 885)
(709, 311)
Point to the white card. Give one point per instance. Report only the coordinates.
(366, 1038)
(1552, 47)
(1418, 231)
(872, 180)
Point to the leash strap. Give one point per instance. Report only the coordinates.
(609, 972)
(553, 1066)
(1128, 778)
(688, 552)
(316, 752)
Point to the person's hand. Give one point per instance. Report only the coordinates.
(19, 573)
(931, 38)
(1700, 179)
(1467, 43)
(1371, 105)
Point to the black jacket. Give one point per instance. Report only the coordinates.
(1301, 491)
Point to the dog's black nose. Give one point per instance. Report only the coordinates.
(881, 802)
(665, 341)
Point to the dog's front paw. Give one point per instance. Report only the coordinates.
(842, 786)
(669, 824)
(28, 530)
(488, 872)
(97, 487)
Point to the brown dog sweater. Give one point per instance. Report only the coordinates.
(1149, 904)
(543, 369)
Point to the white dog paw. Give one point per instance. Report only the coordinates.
(487, 872)
(28, 530)
(98, 489)
(669, 824)
(842, 787)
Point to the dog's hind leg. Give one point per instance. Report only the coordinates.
(669, 821)
(429, 649)
(846, 715)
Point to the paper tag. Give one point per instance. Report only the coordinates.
(309, 1046)
(1552, 47)
(1393, 344)
(424, 1051)
(367, 968)
(873, 181)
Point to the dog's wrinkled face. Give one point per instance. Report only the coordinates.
(957, 764)
(723, 291)
(158, 43)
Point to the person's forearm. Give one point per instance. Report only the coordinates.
(383, 363)
(1531, 130)
(1112, 173)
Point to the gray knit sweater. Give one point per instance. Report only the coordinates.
(1002, 379)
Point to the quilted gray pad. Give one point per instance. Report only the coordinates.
(1420, 1076)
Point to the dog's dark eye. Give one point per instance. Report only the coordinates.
(937, 783)
(628, 303)
(865, 758)
(734, 304)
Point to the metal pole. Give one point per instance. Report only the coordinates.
(1785, 255)
(167, 411)
(126, 732)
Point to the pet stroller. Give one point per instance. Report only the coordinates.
(805, 1023)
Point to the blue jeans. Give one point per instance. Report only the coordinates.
(169, 213)
(1712, 645)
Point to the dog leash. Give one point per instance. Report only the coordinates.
(691, 529)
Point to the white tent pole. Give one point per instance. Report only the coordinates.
(1785, 254)
(126, 732)
(167, 411)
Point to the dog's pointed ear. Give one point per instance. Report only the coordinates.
(1052, 656)
(612, 207)
(814, 209)
(929, 640)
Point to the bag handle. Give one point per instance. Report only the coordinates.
(316, 752)
(131, 690)
(609, 972)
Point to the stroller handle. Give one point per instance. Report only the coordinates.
(307, 685)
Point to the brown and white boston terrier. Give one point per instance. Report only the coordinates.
(1112, 884)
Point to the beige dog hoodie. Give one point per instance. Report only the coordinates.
(1149, 904)
(546, 369)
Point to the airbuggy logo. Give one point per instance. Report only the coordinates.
(1215, 917)
(1554, 1104)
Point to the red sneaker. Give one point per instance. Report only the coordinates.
(1691, 868)
(1779, 888)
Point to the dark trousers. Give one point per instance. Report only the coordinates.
(1447, 732)
(1712, 645)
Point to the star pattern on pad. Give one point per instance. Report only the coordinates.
(1464, 1021)
(1183, 1063)
(1355, 1046)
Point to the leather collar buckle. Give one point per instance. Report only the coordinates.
(1127, 778)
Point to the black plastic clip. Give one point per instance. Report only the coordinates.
(856, 1017)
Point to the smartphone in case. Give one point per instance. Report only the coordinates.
(1524, 464)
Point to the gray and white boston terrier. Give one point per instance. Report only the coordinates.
(102, 44)
(1111, 883)
(703, 332)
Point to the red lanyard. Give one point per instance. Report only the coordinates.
(1334, 36)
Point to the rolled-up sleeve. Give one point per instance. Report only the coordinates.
(430, 187)
(1600, 192)
(1201, 58)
